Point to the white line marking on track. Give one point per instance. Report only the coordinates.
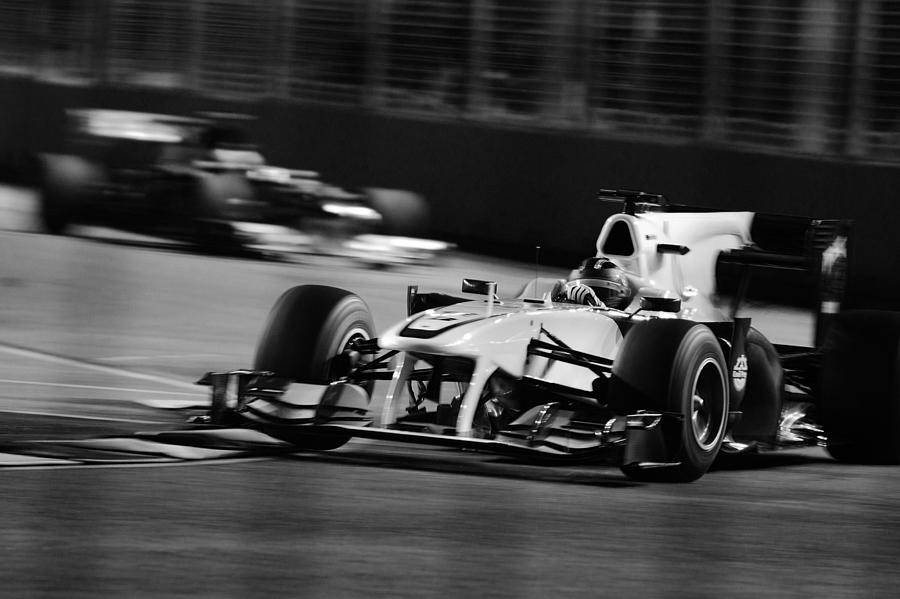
(99, 388)
(157, 357)
(71, 416)
(136, 464)
(37, 355)
(20, 461)
(172, 404)
(145, 447)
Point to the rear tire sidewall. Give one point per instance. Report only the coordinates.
(762, 402)
(860, 387)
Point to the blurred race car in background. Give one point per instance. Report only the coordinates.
(200, 180)
(634, 360)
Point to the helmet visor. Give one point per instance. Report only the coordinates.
(605, 289)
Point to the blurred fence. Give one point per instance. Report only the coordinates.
(799, 76)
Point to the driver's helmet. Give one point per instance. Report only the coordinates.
(606, 280)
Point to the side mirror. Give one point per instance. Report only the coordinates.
(672, 248)
(661, 304)
(479, 287)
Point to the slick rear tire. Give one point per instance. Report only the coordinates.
(761, 407)
(860, 385)
(309, 326)
(674, 366)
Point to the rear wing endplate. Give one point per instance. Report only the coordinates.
(816, 249)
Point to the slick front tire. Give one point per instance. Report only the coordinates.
(307, 329)
(860, 385)
(675, 367)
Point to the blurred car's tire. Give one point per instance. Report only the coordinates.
(65, 183)
(860, 387)
(307, 329)
(403, 213)
(216, 199)
(674, 366)
(224, 195)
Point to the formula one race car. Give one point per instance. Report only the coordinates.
(200, 180)
(630, 361)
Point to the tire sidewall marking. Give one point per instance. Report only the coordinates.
(739, 373)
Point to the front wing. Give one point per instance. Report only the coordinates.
(297, 413)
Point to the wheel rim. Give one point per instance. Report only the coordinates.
(707, 409)
(353, 335)
(344, 348)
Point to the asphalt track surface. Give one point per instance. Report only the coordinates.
(100, 342)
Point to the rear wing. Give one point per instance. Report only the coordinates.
(805, 255)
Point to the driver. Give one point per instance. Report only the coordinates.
(596, 282)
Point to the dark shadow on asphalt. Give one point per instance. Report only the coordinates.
(764, 461)
(19, 433)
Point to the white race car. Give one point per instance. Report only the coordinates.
(631, 361)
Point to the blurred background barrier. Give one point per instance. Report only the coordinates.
(506, 115)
